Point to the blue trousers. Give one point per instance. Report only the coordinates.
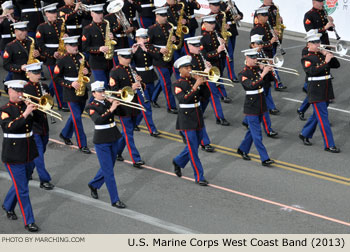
(39, 162)
(164, 83)
(305, 105)
(231, 65)
(101, 75)
(75, 123)
(56, 90)
(222, 90)
(205, 137)
(147, 115)
(146, 22)
(215, 100)
(128, 138)
(266, 122)
(254, 135)
(19, 191)
(320, 117)
(269, 100)
(190, 153)
(106, 154)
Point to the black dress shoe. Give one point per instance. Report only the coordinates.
(244, 155)
(94, 193)
(10, 214)
(120, 158)
(208, 148)
(64, 109)
(119, 204)
(305, 140)
(332, 149)
(155, 134)
(223, 122)
(172, 111)
(155, 104)
(301, 115)
(139, 164)
(274, 111)
(267, 162)
(32, 227)
(136, 128)
(272, 134)
(202, 182)
(46, 185)
(177, 169)
(235, 80)
(245, 125)
(85, 150)
(67, 141)
(280, 88)
(226, 99)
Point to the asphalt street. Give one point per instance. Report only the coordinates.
(306, 191)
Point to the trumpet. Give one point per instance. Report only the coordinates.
(213, 76)
(341, 48)
(44, 104)
(126, 97)
(277, 62)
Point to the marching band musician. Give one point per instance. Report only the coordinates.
(16, 53)
(129, 10)
(143, 57)
(122, 76)
(213, 53)
(73, 16)
(93, 43)
(6, 30)
(158, 36)
(199, 64)
(48, 38)
(19, 150)
(317, 65)
(190, 6)
(40, 125)
(317, 18)
(188, 91)
(31, 12)
(253, 79)
(146, 15)
(106, 137)
(66, 73)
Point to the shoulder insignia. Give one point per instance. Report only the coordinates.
(307, 21)
(244, 78)
(91, 111)
(38, 34)
(6, 55)
(307, 63)
(178, 90)
(56, 70)
(62, 13)
(111, 82)
(256, 20)
(83, 38)
(4, 115)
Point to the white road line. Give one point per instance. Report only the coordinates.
(107, 207)
(336, 109)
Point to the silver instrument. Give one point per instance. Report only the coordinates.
(133, 72)
(341, 48)
(283, 52)
(116, 8)
(226, 52)
(233, 11)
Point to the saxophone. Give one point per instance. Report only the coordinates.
(31, 58)
(279, 27)
(170, 46)
(181, 29)
(82, 80)
(224, 33)
(61, 49)
(110, 43)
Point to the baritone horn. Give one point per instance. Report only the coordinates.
(126, 97)
(213, 76)
(44, 104)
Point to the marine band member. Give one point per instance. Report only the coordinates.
(146, 15)
(31, 12)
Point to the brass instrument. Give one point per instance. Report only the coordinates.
(110, 43)
(82, 80)
(126, 96)
(31, 59)
(341, 48)
(224, 33)
(213, 76)
(141, 89)
(181, 29)
(234, 12)
(278, 41)
(277, 63)
(170, 46)
(61, 49)
(226, 52)
(279, 27)
(116, 8)
(44, 104)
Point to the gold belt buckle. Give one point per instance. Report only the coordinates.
(147, 68)
(111, 125)
(28, 134)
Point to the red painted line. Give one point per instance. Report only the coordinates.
(235, 192)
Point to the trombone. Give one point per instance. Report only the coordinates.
(341, 48)
(44, 104)
(213, 76)
(277, 62)
(126, 96)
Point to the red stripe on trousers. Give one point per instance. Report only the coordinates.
(143, 26)
(265, 125)
(186, 50)
(191, 154)
(127, 140)
(144, 116)
(229, 67)
(165, 87)
(54, 87)
(18, 198)
(114, 62)
(75, 126)
(322, 126)
(221, 91)
(213, 102)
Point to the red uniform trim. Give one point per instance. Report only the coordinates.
(165, 87)
(191, 154)
(126, 139)
(321, 123)
(75, 126)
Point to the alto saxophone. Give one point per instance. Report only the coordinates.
(224, 33)
(82, 80)
(31, 58)
(110, 43)
(170, 46)
(61, 49)
(181, 29)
